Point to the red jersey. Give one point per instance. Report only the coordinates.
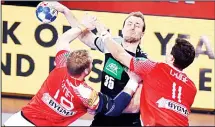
(62, 99)
(167, 93)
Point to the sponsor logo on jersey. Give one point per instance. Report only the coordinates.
(48, 100)
(174, 106)
(113, 68)
(93, 97)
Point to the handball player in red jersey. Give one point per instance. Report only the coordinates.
(64, 96)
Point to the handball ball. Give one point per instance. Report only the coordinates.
(45, 13)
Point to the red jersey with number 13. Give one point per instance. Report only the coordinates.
(61, 100)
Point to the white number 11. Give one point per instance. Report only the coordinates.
(174, 92)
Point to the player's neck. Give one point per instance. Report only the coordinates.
(80, 78)
(132, 47)
(174, 67)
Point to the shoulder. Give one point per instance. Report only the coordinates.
(118, 39)
(86, 91)
(141, 53)
(192, 85)
(56, 73)
(63, 53)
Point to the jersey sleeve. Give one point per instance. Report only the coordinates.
(61, 58)
(101, 46)
(88, 96)
(141, 66)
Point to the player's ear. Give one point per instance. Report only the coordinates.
(142, 34)
(86, 71)
(123, 30)
(172, 58)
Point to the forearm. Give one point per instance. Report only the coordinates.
(64, 40)
(114, 107)
(117, 51)
(134, 105)
(87, 37)
(71, 18)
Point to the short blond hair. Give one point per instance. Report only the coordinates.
(137, 14)
(78, 61)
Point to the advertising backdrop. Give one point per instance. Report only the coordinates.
(28, 48)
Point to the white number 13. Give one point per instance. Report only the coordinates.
(174, 92)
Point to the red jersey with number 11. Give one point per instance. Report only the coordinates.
(167, 93)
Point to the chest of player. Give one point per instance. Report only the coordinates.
(114, 77)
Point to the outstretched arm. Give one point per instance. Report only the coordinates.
(114, 107)
(140, 66)
(117, 51)
(70, 35)
(87, 37)
(101, 103)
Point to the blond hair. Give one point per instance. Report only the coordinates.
(78, 61)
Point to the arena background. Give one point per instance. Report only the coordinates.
(28, 47)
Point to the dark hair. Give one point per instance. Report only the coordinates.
(183, 53)
(77, 62)
(137, 14)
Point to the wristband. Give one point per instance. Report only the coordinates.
(132, 84)
(82, 28)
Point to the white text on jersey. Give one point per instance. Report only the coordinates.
(171, 105)
(178, 75)
(48, 100)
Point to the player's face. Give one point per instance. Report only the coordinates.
(133, 29)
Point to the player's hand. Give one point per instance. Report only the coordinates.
(134, 76)
(58, 6)
(89, 21)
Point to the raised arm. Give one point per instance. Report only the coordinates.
(70, 35)
(87, 38)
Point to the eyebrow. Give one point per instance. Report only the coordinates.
(129, 22)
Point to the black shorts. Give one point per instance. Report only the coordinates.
(125, 119)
